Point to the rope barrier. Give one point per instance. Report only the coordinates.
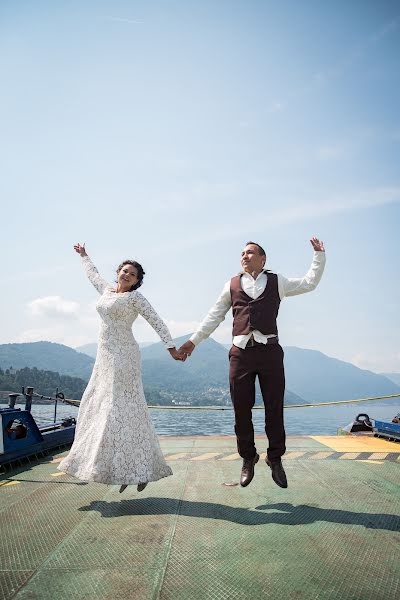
(76, 403)
(343, 401)
(59, 397)
(308, 405)
(285, 406)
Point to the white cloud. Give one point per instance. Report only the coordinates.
(53, 306)
(395, 135)
(39, 274)
(296, 211)
(123, 20)
(58, 334)
(338, 69)
(347, 202)
(333, 152)
(276, 107)
(55, 319)
(223, 334)
(380, 363)
(179, 328)
(359, 200)
(213, 190)
(385, 30)
(143, 332)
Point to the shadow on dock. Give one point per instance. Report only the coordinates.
(283, 513)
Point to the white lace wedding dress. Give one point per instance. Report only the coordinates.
(115, 441)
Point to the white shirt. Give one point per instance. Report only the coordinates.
(254, 288)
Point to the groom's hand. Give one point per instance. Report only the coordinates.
(317, 244)
(176, 354)
(187, 348)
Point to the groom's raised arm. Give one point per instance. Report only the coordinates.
(215, 316)
(308, 283)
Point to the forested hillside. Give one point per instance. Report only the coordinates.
(43, 382)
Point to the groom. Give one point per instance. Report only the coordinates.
(254, 296)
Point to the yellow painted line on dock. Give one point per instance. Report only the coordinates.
(8, 483)
(352, 443)
(206, 456)
(349, 456)
(319, 455)
(56, 460)
(176, 456)
(374, 462)
(58, 474)
(231, 457)
(291, 455)
(378, 455)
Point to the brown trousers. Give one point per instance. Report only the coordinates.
(266, 362)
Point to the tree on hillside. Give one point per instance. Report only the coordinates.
(43, 382)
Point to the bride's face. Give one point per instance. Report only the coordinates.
(127, 277)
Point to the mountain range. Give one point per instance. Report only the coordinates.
(311, 376)
(395, 377)
(204, 375)
(47, 356)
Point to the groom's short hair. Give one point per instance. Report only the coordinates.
(260, 248)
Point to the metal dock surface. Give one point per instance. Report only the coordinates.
(333, 534)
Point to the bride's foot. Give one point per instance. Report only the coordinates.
(122, 488)
(141, 486)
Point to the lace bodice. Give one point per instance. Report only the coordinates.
(120, 310)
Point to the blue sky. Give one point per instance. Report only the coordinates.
(173, 132)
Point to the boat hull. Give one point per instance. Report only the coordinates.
(20, 436)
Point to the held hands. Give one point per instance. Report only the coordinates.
(186, 349)
(317, 244)
(176, 354)
(80, 249)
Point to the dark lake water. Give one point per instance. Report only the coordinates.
(322, 420)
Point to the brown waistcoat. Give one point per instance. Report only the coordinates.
(259, 314)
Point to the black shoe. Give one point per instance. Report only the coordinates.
(141, 486)
(122, 488)
(278, 473)
(247, 473)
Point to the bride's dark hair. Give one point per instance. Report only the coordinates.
(140, 271)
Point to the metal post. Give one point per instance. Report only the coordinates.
(55, 406)
(12, 400)
(28, 398)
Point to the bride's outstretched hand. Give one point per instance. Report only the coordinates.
(176, 355)
(80, 249)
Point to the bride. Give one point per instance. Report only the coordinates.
(115, 440)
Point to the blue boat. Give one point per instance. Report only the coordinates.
(363, 425)
(388, 430)
(20, 435)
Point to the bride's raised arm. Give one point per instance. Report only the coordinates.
(92, 273)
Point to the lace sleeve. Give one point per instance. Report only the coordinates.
(93, 275)
(145, 309)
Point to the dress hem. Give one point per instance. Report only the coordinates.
(99, 479)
